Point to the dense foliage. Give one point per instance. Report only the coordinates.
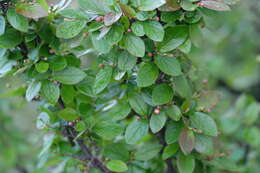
(116, 89)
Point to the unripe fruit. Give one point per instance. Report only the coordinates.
(150, 54)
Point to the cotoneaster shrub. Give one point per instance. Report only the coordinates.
(116, 89)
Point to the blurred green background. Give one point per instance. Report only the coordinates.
(228, 60)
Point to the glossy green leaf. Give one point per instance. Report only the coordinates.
(138, 29)
(204, 123)
(2, 25)
(119, 111)
(68, 114)
(42, 67)
(17, 21)
(108, 130)
(154, 30)
(70, 29)
(117, 166)
(135, 45)
(135, 131)
(147, 151)
(182, 87)
(173, 112)
(137, 103)
(116, 151)
(185, 164)
(33, 90)
(172, 132)
(10, 39)
(102, 79)
(170, 150)
(204, 144)
(69, 76)
(126, 61)
(157, 122)
(162, 94)
(149, 5)
(168, 65)
(174, 37)
(95, 6)
(147, 75)
(50, 92)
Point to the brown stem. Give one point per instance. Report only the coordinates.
(71, 134)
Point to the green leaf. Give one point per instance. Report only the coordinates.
(102, 79)
(42, 67)
(115, 34)
(119, 111)
(68, 114)
(135, 45)
(252, 113)
(10, 39)
(173, 112)
(185, 164)
(174, 37)
(17, 21)
(147, 75)
(170, 150)
(181, 85)
(204, 144)
(137, 103)
(116, 151)
(154, 30)
(33, 90)
(147, 151)
(136, 131)
(172, 132)
(86, 86)
(117, 166)
(95, 6)
(108, 130)
(69, 76)
(69, 29)
(101, 45)
(126, 61)
(204, 123)
(149, 5)
(111, 18)
(50, 92)
(68, 93)
(162, 94)
(57, 63)
(157, 122)
(168, 65)
(2, 25)
(138, 29)
(186, 141)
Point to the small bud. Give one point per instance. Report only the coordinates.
(205, 81)
(129, 30)
(150, 54)
(71, 123)
(99, 19)
(137, 117)
(157, 18)
(157, 111)
(209, 110)
(45, 58)
(101, 65)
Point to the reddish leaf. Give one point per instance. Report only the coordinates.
(186, 141)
